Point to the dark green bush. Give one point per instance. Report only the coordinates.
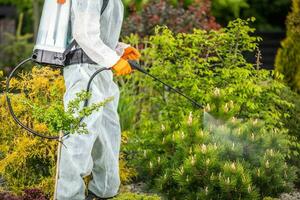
(270, 14)
(233, 160)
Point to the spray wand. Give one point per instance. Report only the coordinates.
(137, 67)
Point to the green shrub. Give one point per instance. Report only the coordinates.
(28, 162)
(199, 62)
(206, 65)
(288, 59)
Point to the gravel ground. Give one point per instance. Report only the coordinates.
(141, 188)
(290, 196)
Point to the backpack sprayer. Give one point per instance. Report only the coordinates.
(52, 48)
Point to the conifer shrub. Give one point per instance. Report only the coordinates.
(203, 157)
(288, 59)
(244, 154)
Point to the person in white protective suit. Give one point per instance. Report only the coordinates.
(97, 152)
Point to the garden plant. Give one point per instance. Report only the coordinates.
(243, 144)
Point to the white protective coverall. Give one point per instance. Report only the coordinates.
(98, 151)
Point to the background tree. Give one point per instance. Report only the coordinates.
(270, 14)
(288, 59)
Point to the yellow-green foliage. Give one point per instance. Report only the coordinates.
(132, 196)
(27, 161)
(126, 173)
(288, 59)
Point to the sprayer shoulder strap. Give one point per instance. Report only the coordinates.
(74, 43)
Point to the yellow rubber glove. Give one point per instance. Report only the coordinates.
(122, 67)
(131, 53)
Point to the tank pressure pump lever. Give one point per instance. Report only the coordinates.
(135, 65)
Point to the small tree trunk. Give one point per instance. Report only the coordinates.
(20, 25)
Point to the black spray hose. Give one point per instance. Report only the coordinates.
(90, 82)
(16, 119)
(10, 108)
(137, 67)
(88, 88)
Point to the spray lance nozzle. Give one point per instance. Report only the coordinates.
(135, 65)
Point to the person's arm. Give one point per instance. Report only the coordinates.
(120, 49)
(127, 52)
(86, 32)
